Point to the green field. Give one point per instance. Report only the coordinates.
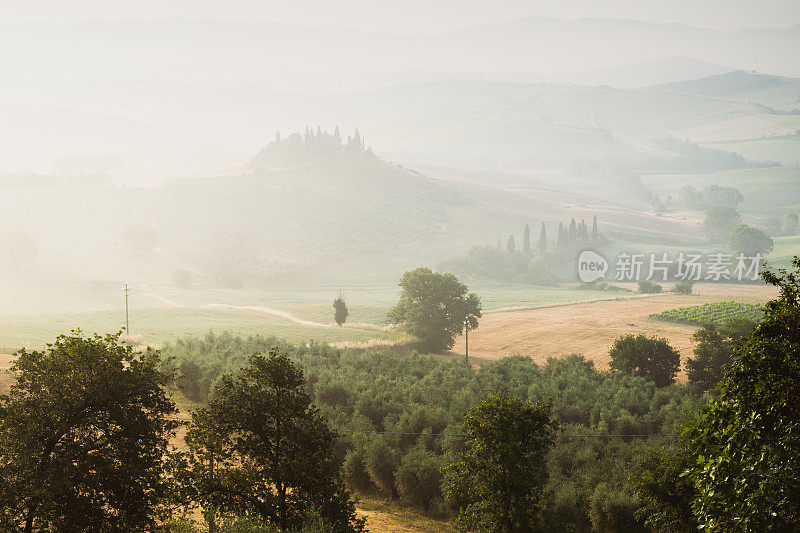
(711, 313)
(785, 150)
(33, 314)
(785, 249)
(158, 326)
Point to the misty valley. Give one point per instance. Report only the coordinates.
(264, 274)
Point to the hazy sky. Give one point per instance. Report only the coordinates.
(416, 15)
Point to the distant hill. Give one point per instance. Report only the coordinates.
(778, 92)
(489, 124)
(647, 73)
(307, 198)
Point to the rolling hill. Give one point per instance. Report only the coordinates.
(779, 92)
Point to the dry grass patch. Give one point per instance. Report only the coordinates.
(591, 328)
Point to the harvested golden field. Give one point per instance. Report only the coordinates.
(591, 328)
(387, 517)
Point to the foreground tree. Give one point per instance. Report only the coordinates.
(665, 494)
(260, 448)
(340, 311)
(434, 306)
(496, 483)
(83, 437)
(650, 357)
(747, 440)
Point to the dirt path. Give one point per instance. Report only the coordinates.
(591, 328)
(271, 312)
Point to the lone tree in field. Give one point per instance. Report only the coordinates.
(83, 438)
(650, 357)
(260, 448)
(434, 306)
(496, 482)
(340, 311)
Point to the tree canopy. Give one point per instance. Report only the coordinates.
(714, 350)
(260, 448)
(746, 441)
(340, 311)
(83, 437)
(496, 482)
(650, 357)
(433, 307)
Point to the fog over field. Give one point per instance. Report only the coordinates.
(215, 176)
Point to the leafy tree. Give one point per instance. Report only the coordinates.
(746, 441)
(650, 357)
(419, 478)
(750, 240)
(260, 448)
(543, 239)
(381, 463)
(714, 351)
(691, 197)
(496, 482)
(340, 310)
(664, 492)
(526, 240)
(724, 196)
(720, 222)
(84, 434)
(433, 307)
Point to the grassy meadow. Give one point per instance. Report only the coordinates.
(161, 313)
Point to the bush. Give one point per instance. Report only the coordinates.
(684, 286)
(649, 287)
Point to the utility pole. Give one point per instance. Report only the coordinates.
(127, 322)
(466, 340)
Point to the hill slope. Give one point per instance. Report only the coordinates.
(778, 92)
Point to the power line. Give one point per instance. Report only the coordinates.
(463, 435)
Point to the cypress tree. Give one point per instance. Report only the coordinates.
(543, 239)
(562, 237)
(510, 246)
(594, 229)
(573, 231)
(526, 240)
